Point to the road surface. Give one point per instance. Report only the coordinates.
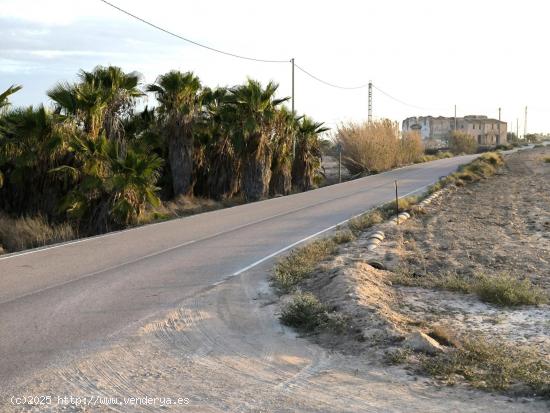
(64, 302)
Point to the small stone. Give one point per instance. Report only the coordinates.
(423, 343)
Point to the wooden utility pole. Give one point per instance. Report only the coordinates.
(293, 114)
(525, 123)
(498, 139)
(455, 117)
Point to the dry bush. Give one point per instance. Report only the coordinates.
(411, 148)
(369, 147)
(460, 142)
(17, 234)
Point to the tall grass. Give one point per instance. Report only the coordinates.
(377, 146)
(28, 232)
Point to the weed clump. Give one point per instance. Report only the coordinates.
(509, 291)
(504, 290)
(306, 313)
(365, 221)
(344, 236)
(492, 365)
(299, 264)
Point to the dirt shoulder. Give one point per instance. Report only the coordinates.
(444, 272)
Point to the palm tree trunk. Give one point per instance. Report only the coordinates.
(257, 172)
(281, 180)
(180, 154)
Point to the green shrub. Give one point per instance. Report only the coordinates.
(305, 312)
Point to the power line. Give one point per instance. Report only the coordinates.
(328, 83)
(258, 59)
(189, 40)
(399, 100)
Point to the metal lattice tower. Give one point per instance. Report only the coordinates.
(370, 101)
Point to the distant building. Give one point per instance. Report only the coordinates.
(436, 130)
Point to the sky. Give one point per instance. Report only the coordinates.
(427, 55)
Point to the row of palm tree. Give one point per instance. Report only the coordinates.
(99, 161)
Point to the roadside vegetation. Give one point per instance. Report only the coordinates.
(461, 142)
(490, 365)
(503, 290)
(291, 270)
(94, 162)
(486, 364)
(369, 148)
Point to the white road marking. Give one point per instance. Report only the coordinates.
(274, 254)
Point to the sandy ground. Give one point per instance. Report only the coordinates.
(498, 226)
(225, 350)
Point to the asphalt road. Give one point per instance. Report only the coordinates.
(61, 302)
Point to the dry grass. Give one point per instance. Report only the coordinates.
(301, 263)
(405, 205)
(184, 206)
(483, 167)
(492, 365)
(377, 146)
(460, 142)
(504, 290)
(17, 234)
(344, 236)
(365, 221)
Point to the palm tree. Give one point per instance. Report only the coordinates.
(30, 145)
(179, 99)
(285, 127)
(219, 163)
(307, 161)
(255, 109)
(109, 187)
(100, 101)
(4, 102)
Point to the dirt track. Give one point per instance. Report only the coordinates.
(225, 350)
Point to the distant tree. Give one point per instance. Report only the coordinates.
(461, 142)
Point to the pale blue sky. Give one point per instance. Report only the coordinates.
(431, 54)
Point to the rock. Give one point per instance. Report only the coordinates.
(423, 343)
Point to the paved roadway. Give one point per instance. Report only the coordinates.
(64, 301)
